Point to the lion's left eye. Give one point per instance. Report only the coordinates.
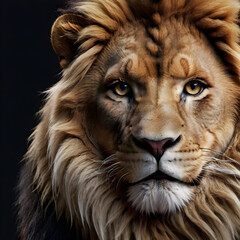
(194, 87)
(121, 89)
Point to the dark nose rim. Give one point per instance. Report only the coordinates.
(147, 145)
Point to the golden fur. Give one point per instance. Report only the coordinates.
(75, 160)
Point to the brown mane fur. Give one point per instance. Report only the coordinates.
(63, 164)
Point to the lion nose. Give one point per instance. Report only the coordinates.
(156, 148)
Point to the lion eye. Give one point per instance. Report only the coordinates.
(194, 87)
(121, 88)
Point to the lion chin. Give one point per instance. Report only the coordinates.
(161, 197)
(140, 139)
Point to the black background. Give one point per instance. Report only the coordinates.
(28, 66)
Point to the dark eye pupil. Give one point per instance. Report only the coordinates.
(123, 86)
(194, 85)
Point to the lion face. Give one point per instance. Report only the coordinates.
(163, 111)
(140, 139)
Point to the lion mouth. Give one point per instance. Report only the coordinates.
(160, 176)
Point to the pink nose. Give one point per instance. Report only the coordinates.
(156, 148)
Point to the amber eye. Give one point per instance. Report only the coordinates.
(121, 88)
(194, 87)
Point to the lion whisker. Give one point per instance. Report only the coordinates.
(109, 159)
(218, 160)
(112, 166)
(228, 159)
(119, 180)
(223, 154)
(113, 171)
(221, 169)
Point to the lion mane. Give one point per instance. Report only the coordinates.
(65, 191)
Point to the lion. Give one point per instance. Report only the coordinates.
(140, 139)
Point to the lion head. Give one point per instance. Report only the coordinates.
(140, 139)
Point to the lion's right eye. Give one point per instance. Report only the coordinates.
(194, 87)
(121, 89)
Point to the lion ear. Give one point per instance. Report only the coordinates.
(64, 35)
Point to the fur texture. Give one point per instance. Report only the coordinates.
(86, 171)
